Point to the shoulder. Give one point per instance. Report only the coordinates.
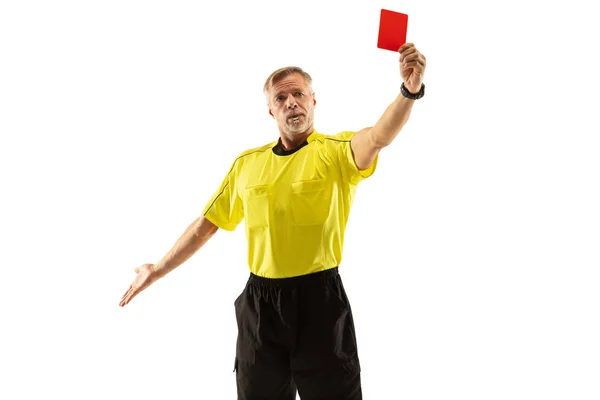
(340, 137)
(253, 153)
(247, 157)
(257, 150)
(334, 142)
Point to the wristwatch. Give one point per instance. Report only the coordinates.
(411, 96)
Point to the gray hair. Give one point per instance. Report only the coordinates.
(284, 72)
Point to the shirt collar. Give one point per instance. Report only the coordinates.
(281, 152)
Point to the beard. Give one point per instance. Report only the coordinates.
(297, 126)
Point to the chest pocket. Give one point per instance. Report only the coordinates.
(310, 201)
(257, 206)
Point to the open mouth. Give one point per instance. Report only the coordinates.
(295, 118)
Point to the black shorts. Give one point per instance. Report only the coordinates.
(296, 334)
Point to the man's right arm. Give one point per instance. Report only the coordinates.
(194, 237)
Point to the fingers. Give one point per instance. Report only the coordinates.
(405, 47)
(417, 65)
(130, 294)
(125, 298)
(412, 59)
(141, 282)
(413, 56)
(409, 53)
(406, 50)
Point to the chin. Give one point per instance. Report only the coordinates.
(297, 129)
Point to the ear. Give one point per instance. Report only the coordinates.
(271, 113)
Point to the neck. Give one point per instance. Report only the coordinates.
(290, 141)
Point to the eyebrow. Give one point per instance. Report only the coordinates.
(294, 89)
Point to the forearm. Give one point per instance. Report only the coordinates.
(194, 237)
(391, 122)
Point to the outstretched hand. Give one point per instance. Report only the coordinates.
(145, 277)
(412, 67)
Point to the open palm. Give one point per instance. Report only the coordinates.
(145, 277)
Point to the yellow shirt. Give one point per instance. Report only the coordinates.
(295, 204)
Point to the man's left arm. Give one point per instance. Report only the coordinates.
(367, 142)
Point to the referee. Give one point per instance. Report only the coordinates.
(295, 327)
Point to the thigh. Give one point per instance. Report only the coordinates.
(325, 363)
(325, 331)
(330, 382)
(264, 381)
(262, 361)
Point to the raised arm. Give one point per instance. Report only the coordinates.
(367, 142)
(194, 237)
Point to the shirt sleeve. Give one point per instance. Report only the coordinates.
(350, 171)
(225, 208)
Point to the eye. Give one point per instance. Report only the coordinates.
(279, 98)
(299, 94)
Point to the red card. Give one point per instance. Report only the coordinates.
(392, 30)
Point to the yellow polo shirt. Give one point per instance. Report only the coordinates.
(295, 203)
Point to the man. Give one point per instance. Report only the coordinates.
(295, 326)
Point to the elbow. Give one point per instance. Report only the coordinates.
(379, 141)
(204, 227)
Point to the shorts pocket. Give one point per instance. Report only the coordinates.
(247, 327)
(352, 367)
(310, 201)
(346, 343)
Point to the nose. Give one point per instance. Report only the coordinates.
(291, 102)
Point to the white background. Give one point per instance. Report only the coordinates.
(471, 256)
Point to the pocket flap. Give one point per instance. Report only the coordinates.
(313, 185)
(261, 190)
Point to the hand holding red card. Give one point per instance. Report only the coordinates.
(412, 67)
(392, 36)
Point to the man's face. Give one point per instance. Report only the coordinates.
(292, 105)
